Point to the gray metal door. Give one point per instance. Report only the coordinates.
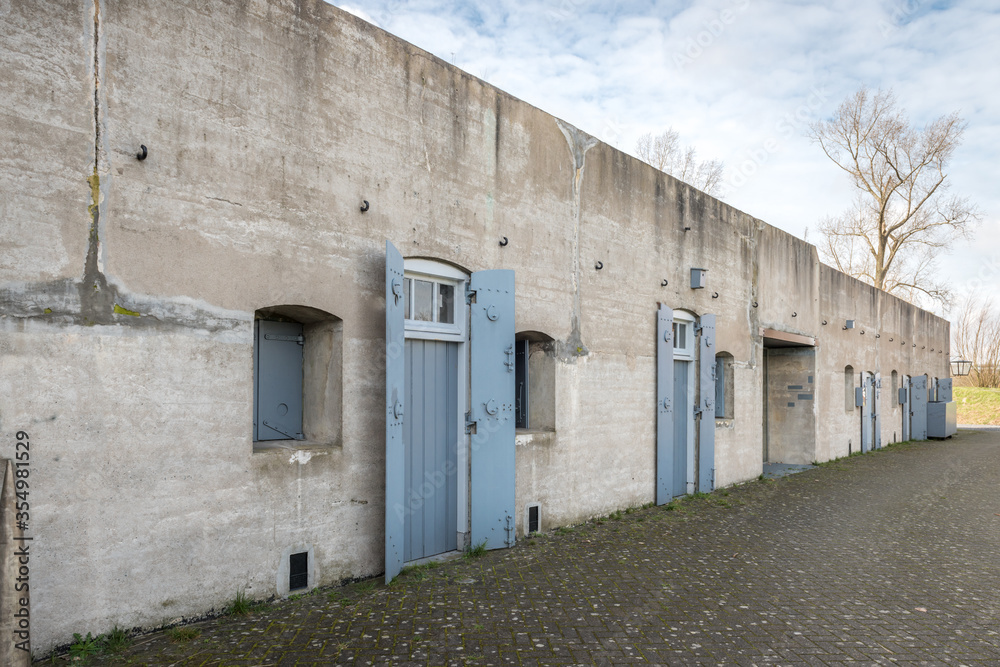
(395, 509)
(706, 426)
(944, 392)
(866, 412)
(918, 407)
(678, 484)
(430, 443)
(491, 361)
(876, 408)
(664, 405)
(904, 389)
(278, 381)
(905, 404)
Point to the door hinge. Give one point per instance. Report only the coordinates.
(697, 410)
(470, 294)
(509, 541)
(300, 339)
(470, 423)
(509, 362)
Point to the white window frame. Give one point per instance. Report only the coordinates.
(437, 273)
(686, 353)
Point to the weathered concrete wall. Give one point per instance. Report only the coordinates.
(791, 404)
(889, 335)
(128, 290)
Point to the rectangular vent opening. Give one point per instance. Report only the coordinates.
(533, 519)
(298, 571)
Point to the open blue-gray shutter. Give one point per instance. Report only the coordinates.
(395, 503)
(278, 380)
(877, 412)
(904, 396)
(866, 413)
(918, 407)
(706, 426)
(664, 404)
(720, 387)
(492, 406)
(944, 392)
(521, 354)
(256, 376)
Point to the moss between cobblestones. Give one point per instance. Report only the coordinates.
(462, 594)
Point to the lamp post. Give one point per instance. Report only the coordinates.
(960, 367)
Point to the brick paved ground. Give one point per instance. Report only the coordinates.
(888, 558)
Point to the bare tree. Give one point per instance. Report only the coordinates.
(665, 152)
(902, 217)
(977, 339)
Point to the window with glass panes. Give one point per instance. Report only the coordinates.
(429, 300)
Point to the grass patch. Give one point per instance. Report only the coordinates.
(116, 641)
(366, 586)
(419, 572)
(241, 605)
(83, 648)
(978, 406)
(477, 551)
(184, 634)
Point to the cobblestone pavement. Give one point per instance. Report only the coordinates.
(887, 558)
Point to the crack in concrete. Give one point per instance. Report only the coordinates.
(94, 299)
(579, 143)
(225, 201)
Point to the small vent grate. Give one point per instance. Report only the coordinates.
(533, 519)
(298, 571)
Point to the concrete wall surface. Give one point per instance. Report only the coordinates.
(791, 404)
(128, 291)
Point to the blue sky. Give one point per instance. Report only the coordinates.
(741, 80)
